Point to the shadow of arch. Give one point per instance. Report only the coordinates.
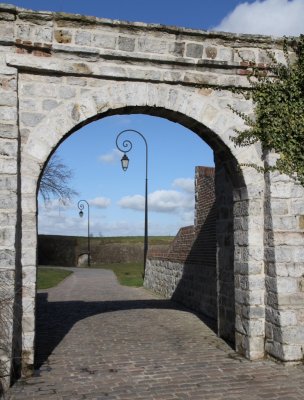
(56, 318)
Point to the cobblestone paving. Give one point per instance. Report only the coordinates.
(98, 340)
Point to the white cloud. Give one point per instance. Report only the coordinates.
(169, 201)
(160, 201)
(136, 202)
(268, 17)
(100, 202)
(186, 184)
(111, 158)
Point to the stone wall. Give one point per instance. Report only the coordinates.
(284, 265)
(65, 250)
(10, 237)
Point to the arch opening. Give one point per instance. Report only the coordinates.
(209, 262)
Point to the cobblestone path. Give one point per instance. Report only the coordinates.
(99, 340)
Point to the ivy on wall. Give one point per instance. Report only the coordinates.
(277, 92)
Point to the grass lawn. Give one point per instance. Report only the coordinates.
(128, 274)
(49, 277)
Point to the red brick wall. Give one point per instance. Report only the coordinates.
(179, 249)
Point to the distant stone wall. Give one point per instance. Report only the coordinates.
(65, 250)
(57, 250)
(187, 271)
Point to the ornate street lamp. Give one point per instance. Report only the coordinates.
(127, 146)
(81, 207)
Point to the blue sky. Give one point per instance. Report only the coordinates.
(116, 197)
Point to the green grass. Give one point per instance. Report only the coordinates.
(126, 239)
(128, 274)
(49, 277)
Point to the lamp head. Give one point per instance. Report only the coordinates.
(80, 214)
(125, 162)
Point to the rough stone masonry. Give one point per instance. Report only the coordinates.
(59, 72)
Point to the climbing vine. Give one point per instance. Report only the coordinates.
(277, 92)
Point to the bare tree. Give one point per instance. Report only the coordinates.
(54, 182)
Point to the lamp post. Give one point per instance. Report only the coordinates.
(127, 146)
(81, 207)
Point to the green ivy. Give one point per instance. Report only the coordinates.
(277, 93)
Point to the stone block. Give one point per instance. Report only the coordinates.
(297, 206)
(281, 189)
(7, 236)
(177, 49)
(255, 312)
(28, 206)
(28, 322)
(7, 258)
(8, 98)
(290, 335)
(285, 223)
(27, 104)
(7, 31)
(279, 207)
(286, 238)
(8, 148)
(225, 54)
(147, 45)
(104, 41)
(28, 185)
(126, 43)
(211, 52)
(8, 130)
(8, 114)
(83, 38)
(245, 54)
(8, 200)
(49, 104)
(63, 36)
(194, 50)
(298, 254)
(8, 218)
(66, 92)
(31, 119)
(8, 165)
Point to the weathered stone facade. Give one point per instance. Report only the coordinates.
(59, 72)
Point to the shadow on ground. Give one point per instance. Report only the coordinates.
(55, 319)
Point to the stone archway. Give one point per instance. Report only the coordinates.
(59, 72)
(197, 112)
